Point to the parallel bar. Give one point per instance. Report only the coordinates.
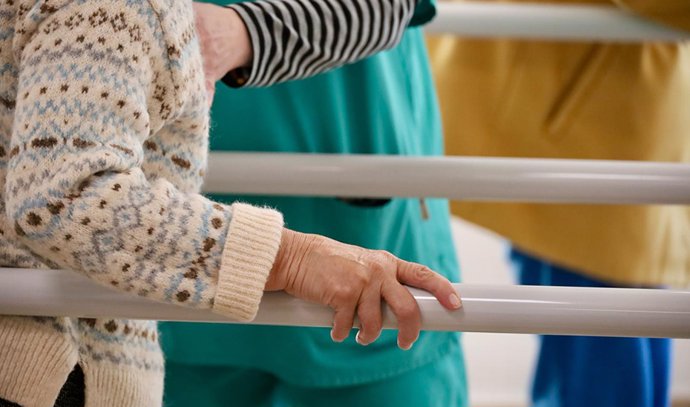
(462, 178)
(548, 22)
(509, 309)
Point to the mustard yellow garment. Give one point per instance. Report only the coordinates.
(577, 100)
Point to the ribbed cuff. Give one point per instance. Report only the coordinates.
(110, 385)
(35, 360)
(248, 256)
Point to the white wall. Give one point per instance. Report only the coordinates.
(499, 365)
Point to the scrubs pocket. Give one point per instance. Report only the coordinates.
(366, 202)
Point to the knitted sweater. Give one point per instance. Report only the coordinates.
(103, 146)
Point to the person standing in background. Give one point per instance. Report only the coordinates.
(383, 105)
(591, 100)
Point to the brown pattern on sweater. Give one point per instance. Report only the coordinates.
(84, 186)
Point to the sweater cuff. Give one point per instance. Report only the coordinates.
(250, 250)
(35, 360)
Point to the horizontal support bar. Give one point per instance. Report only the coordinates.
(461, 178)
(548, 22)
(506, 308)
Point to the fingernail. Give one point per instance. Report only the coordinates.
(334, 339)
(455, 301)
(359, 340)
(408, 347)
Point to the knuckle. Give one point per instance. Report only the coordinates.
(345, 293)
(381, 262)
(377, 268)
(362, 277)
(376, 263)
(371, 321)
(408, 311)
(386, 257)
(422, 273)
(354, 281)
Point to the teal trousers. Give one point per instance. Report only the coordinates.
(441, 383)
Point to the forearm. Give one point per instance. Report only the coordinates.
(294, 39)
(147, 238)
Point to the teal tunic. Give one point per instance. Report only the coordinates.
(385, 104)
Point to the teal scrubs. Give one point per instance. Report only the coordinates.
(385, 104)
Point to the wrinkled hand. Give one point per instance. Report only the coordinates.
(353, 280)
(224, 40)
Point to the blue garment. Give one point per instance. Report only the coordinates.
(578, 371)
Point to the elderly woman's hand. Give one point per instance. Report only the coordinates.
(225, 43)
(353, 280)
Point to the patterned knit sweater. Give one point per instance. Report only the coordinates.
(103, 146)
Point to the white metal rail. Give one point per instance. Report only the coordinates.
(514, 309)
(548, 22)
(462, 178)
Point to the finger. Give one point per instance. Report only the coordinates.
(342, 323)
(419, 276)
(369, 313)
(406, 311)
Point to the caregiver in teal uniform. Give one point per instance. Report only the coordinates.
(385, 104)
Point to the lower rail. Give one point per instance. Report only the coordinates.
(486, 308)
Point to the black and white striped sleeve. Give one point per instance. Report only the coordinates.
(294, 39)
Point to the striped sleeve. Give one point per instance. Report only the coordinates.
(293, 39)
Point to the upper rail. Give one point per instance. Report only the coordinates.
(549, 22)
(460, 178)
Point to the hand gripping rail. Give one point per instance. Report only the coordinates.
(514, 309)
(548, 22)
